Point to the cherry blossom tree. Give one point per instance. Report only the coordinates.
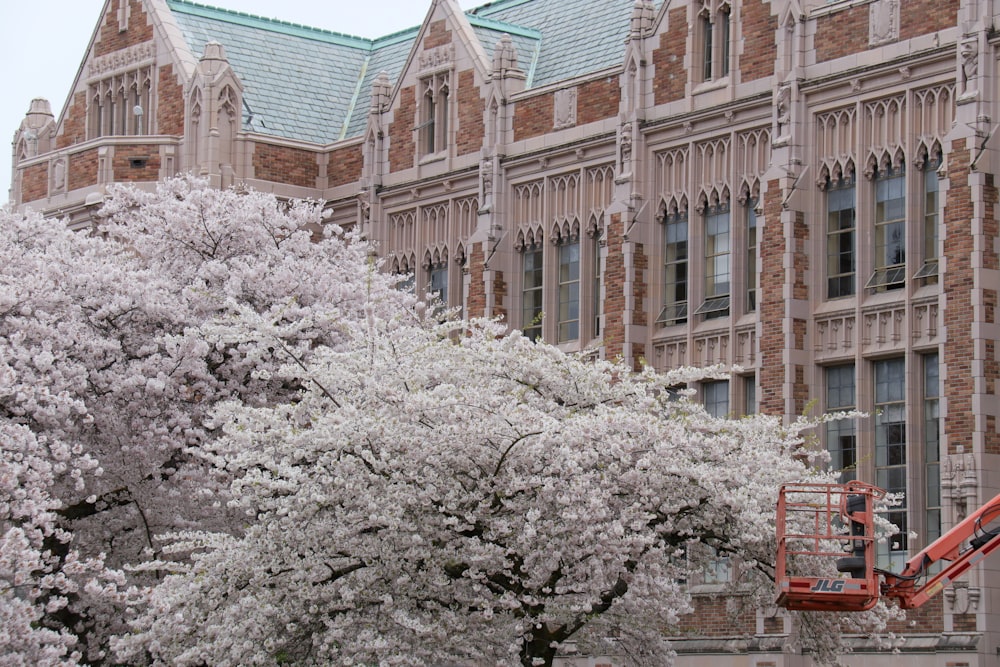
(446, 496)
(115, 347)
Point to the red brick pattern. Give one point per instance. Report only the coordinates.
(597, 100)
(959, 353)
(35, 182)
(614, 290)
(718, 616)
(282, 164)
(74, 127)
(760, 46)
(471, 107)
(82, 170)
(929, 619)
(534, 116)
(640, 290)
(139, 30)
(127, 172)
(922, 17)
(843, 33)
(773, 625)
(669, 75)
(437, 35)
(401, 144)
(477, 284)
(615, 274)
(963, 623)
(499, 296)
(169, 103)
(345, 165)
(772, 306)
(800, 288)
(991, 261)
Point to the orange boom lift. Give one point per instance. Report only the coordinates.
(820, 523)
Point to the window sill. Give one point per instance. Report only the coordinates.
(431, 158)
(709, 86)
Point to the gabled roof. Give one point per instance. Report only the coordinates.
(313, 85)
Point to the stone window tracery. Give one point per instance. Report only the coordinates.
(121, 104)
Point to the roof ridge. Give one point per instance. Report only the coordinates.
(271, 24)
(497, 5)
(504, 26)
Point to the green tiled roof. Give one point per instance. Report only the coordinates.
(313, 85)
(578, 36)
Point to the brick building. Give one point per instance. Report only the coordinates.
(803, 188)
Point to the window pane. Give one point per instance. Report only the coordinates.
(840, 244)
(891, 454)
(716, 398)
(569, 291)
(531, 304)
(841, 435)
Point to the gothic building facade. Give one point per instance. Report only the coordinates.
(801, 188)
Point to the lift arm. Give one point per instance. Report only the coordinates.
(904, 587)
(826, 550)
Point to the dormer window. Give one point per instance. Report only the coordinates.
(119, 105)
(433, 127)
(714, 34)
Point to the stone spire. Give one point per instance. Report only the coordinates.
(505, 59)
(381, 90)
(643, 16)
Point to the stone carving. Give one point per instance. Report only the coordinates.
(565, 108)
(962, 599)
(883, 25)
(783, 107)
(625, 141)
(122, 60)
(442, 56)
(969, 51)
(486, 174)
(59, 175)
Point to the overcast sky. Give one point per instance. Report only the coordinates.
(42, 43)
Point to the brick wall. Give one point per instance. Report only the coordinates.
(345, 165)
(169, 103)
(718, 616)
(401, 145)
(922, 17)
(991, 261)
(500, 296)
(126, 171)
(34, 182)
(139, 31)
(669, 75)
(471, 107)
(477, 286)
(963, 623)
(759, 47)
(82, 170)
(615, 274)
(597, 100)
(843, 33)
(929, 618)
(74, 127)
(437, 35)
(282, 164)
(959, 353)
(640, 290)
(772, 306)
(534, 116)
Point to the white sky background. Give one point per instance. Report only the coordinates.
(42, 43)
